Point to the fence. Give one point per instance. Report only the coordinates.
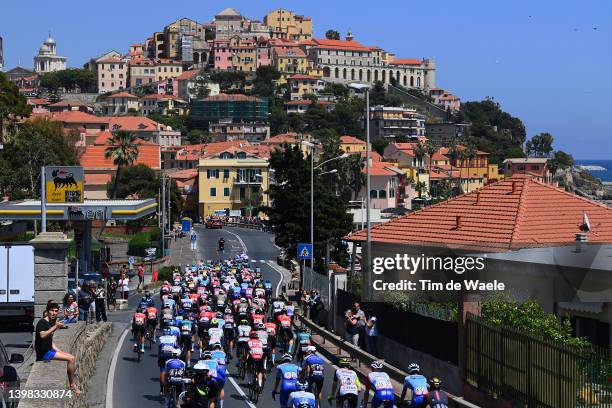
(318, 281)
(436, 337)
(534, 372)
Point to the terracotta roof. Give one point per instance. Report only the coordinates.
(159, 96)
(69, 103)
(351, 140)
(290, 137)
(38, 101)
(341, 45)
(231, 97)
(188, 74)
(110, 60)
(302, 76)
(516, 212)
(292, 52)
(182, 174)
(406, 61)
(308, 102)
(374, 156)
(122, 95)
(148, 154)
(72, 117)
(380, 168)
(132, 123)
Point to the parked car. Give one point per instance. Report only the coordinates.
(214, 224)
(9, 379)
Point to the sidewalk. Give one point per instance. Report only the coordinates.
(181, 253)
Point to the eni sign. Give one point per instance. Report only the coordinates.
(64, 184)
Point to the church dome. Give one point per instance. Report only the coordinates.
(44, 49)
(50, 41)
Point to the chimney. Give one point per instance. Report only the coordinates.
(581, 240)
(477, 198)
(513, 187)
(349, 36)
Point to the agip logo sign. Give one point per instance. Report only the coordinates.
(64, 184)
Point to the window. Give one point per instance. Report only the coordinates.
(242, 193)
(212, 173)
(382, 194)
(226, 173)
(391, 193)
(213, 192)
(226, 192)
(373, 194)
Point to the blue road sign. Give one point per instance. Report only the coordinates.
(304, 251)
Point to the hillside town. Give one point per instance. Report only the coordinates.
(211, 141)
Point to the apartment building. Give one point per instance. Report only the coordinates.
(300, 85)
(445, 100)
(237, 107)
(536, 167)
(163, 104)
(390, 122)
(289, 61)
(112, 74)
(226, 130)
(120, 104)
(288, 25)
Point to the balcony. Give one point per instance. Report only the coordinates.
(248, 182)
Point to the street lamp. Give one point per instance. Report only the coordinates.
(365, 88)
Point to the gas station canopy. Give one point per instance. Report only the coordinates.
(88, 210)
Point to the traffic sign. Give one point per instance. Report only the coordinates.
(131, 260)
(304, 251)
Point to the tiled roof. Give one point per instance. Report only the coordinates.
(72, 117)
(159, 96)
(110, 60)
(351, 140)
(374, 156)
(188, 74)
(516, 212)
(308, 102)
(122, 95)
(406, 61)
(148, 154)
(231, 97)
(69, 103)
(304, 77)
(290, 137)
(379, 168)
(132, 123)
(97, 179)
(341, 45)
(38, 101)
(182, 174)
(292, 52)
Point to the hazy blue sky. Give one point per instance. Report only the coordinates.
(543, 60)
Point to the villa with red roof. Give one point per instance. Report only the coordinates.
(542, 242)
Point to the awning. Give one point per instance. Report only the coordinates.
(587, 307)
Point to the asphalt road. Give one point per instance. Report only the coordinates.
(137, 384)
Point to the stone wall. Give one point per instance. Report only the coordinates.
(83, 341)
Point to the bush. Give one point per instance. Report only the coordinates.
(165, 273)
(143, 240)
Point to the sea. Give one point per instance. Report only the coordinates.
(604, 175)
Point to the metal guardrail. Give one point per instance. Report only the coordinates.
(258, 227)
(365, 358)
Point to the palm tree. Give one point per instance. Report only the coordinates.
(124, 152)
(419, 152)
(431, 150)
(469, 154)
(420, 187)
(454, 153)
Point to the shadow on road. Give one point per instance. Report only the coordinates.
(156, 398)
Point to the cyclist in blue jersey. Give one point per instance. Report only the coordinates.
(380, 384)
(219, 356)
(167, 345)
(301, 398)
(287, 375)
(417, 384)
(175, 371)
(313, 371)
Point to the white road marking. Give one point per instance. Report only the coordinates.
(262, 261)
(280, 272)
(244, 248)
(111, 372)
(242, 394)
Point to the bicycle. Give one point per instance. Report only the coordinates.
(172, 399)
(346, 403)
(254, 386)
(139, 352)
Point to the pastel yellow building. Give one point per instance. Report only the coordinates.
(351, 144)
(244, 58)
(289, 61)
(300, 85)
(288, 25)
(233, 180)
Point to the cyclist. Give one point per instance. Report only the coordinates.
(256, 357)
(301, 398)
(146, 299)
(287, 375)
(379, 383)
(271, 329)
(175, 371)
(186, 327)
(417, 384)
(303, 337)
(229, 329)
(436, 397)
(313, 371)
(167, 345)
(221, 244)
(243, 336)
(284, 331)
(219, 356)
(138, 329)
(203, 391)
(151, 313)
(349, 385)
(215, 333)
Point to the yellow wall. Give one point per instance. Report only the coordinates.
(282, 64)
(245, 59)
(209, 203)
(352, 148)
(292, 28)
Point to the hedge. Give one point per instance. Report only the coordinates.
(143, 240)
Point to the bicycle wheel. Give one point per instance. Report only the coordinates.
(138, 353)
(315, 391)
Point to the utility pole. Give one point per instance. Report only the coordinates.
(163, 214)
(43, 201)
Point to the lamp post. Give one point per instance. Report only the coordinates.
(365, 88)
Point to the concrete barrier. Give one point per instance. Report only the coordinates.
(83, 341)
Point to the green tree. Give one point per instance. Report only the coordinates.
(198, 136)
(290, 212)
(454, 155)
(70, 80)
(265, 81)
(178, 123)
(541, 145)
(139, 180)
(338, 90)
(36, 143)
(420, 187)
(378, 145)
(563, 159)
(279, 121)
(332, 35)
(12, 106)
(122, 149)
(201, 84)
(228, 79)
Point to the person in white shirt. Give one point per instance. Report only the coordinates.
(124, 286)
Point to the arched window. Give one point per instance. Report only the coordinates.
(241, 155)
(369, 76)
(344, 73)
(226, 155)
(382, 194)
(361, 75)
(384, 76)
(375, 75)
(352, 74)
(373, 194)
(418, 82)
(405, 80)
(337, 73)
(411, 81)
(397, 77)
(326, 72)
(391, 193)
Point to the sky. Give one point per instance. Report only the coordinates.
(546, 62)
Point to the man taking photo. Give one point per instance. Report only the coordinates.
(46, 350)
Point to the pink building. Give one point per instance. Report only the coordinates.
(222, 54)
(445, 99)
(264, 53)
(536, 167)
(385, 182)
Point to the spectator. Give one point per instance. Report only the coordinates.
(140, 277)
(85, 298)
(112, 293)
(100, 299)
(315, 305)
(46, 350)
(372, 335)
(305, 301)
(71, 309)
(361, 324)
(350, 325)
(194, 240)
(124, 285)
